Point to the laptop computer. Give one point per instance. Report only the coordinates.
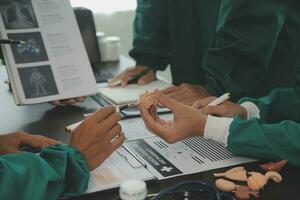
(85, 20)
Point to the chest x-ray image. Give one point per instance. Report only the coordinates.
(38, 81)
(18, 14)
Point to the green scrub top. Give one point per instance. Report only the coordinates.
(238, 46)
(58, 171)
(276, 135)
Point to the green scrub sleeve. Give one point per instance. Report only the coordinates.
(246, 36)
(281, 104)
(57, 171)
(256, 139)
(150, 46)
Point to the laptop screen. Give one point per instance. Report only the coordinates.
(87, 28)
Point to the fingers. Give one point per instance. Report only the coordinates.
(153, 112)
(68, 101)
(124, 77)
(130, 73)
(118, 141)
(166, 101)
(109, 122)
(170, 90)
(114, 79)
(145, 114)
(80, 99)
(54, 103)
(176, 95)
(152, 124)
(102, 114)
(113, 133)
(36, 140)
(203, 102)
(149, 77)
(214, 110)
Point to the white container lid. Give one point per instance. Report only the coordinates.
(133, 190)
(100, 34)
(112, 39)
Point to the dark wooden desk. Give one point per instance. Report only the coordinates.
(50, 121)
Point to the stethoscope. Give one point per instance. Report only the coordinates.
(188, 187)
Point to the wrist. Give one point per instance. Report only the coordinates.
(200, 125)
(244, 113)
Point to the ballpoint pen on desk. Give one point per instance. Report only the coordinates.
(133, 79)
(8, 41)
(72, 127)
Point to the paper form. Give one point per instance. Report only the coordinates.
(189, 156)
(118, 167)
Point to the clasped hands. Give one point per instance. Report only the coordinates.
(188, 120)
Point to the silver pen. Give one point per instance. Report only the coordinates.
(134, 155)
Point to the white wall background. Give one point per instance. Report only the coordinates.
(115, 18)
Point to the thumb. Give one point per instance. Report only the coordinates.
(166, 101)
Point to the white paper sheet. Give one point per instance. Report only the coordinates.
(130, 94)
(135, 129)
(117, 168)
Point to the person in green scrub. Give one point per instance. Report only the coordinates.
(243, 47)
(265, 128)
(59, 169)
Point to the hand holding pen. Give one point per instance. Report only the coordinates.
(140, 75)
(70, 128)
(221, 107)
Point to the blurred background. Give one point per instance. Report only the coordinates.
(115, 18)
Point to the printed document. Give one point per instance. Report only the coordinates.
(189, 156)
(53, 63)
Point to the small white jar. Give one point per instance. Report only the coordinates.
(133, 190)
(110, 48)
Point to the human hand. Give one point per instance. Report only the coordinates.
(68, 101)
(12, 143)
(125, 76)
(226, 109)
(187, 122)
(98, 136)
(186, 94)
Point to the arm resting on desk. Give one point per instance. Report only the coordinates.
(254, 138)
(58, 171)
(280, 104)
(274, 136)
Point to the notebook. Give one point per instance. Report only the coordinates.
(131, 93)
